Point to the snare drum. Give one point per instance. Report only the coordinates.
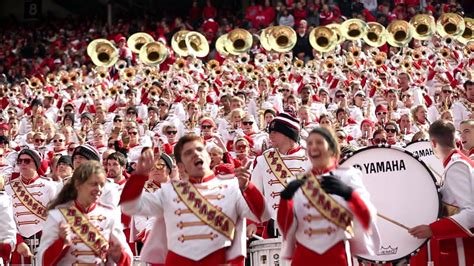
(405, 194)
(266, 253)
(423, 150)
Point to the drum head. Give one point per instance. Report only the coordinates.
(403, 190)
(423, 150)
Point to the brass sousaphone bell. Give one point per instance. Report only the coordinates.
(336, 28)
(137, 40)
(282, 39)
(178, 43)
(399, 33)
(450, 24)
(322, 39)
(238, 41)
(197, 44)
(220, 45)
(153, 53)
(376, 35)
(264, 35)
(468, 34)
(353, 29)
(423, 26)
(102, 52)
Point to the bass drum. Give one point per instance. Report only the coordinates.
(423, 150)
(404, 193)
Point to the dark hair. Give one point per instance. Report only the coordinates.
(330, 138)
(378, 131)
(443, 132)
(79, 177)
(391, 123)
(119, 157)
(178, 148)
(69, 116)
(468, 83)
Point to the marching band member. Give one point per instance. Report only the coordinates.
(467, 137)
(81, 229)
(8, 229)
(64, 168)
(31, 195)
(451, 237)
(202, 227)
(419, 115)
(285, 159)
(464, 108)
(326, 211)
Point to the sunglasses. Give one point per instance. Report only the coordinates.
(206, 126)
(340, 96)
(378, 141)
(381, 113)
(118, 120)
(171, 132)
(39, 140)
(133, 133)
(247, 123)
(58, 140)
(163, 104)
(447, 92)
(391, 130)
(283, 90)
(131, 113)
(68, 110)
(25, 161)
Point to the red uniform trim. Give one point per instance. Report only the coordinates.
(446, 228)
(54, 253)
(255, 200)
(335, 256)
(214, 259)
(463, 157)
(125, 259)
(360, 209)
(5, 251)
(133, 188)
(285, 216)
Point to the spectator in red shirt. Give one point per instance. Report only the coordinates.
(326, 16)
(209, 11)
(299, 13)
(268, 13)
(194, 13)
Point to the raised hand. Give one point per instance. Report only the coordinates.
(145, 163)
(243, 174)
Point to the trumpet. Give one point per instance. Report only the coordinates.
(74, 76)
(329, 64)
(355, 51)
(406, 64)
(217, 71)
(260, 59)
(396, 60)
(101, 72)
(379, 60)
(249, 68)
(65, 80)
(447, 40)
(244, 58)
(269, 69)
(445, 53)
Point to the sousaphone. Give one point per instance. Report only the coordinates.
(353, 29)
(137, 40)
(282, 39)
(336, 28)
(468, 34)
(376, 35)
(450, 24)
(102, 52)
(153, 53)
(264, 35)
(197, 44)
(178, 43)
(220, 45)
(423, 26)
(399, 33)
(238, 41)
(322, 39)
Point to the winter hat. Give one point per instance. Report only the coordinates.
(33, 154)
(66, 159)
(168, 161)
(87, 151)
(287, 125)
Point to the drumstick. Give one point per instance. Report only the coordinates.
(257, 237)
(393, 221)
(434, 172)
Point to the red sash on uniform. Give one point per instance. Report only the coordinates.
(24, 196)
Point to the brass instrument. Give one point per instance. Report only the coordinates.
(423, 26)
(102, 52)
(396, 60)
(178, 43)
(287, 56)
(468, 34)
(406, 64)
(51, 79)
(355, 51)
(353, 29)
(197, 44)
(101, 72)
(217, 71)
(336, 28)
(322, 39)
(74, 76)
(120, 65)
(113, 91)
(34, 83)
(238, 41)
(349, 60)
(180, 64)
(212, 64)
(137, 40)
(153, 53)
(244, 58)
(450, 24)
(65, 81)
(298, 63)
(264, 35)
(329, 64)
(416, 54)
(447, 40)
(399, 33)
(260, 59)
(379, 60)
(249, 68)
(269, 68)
(469, 49)
(220, 45)
(282, 39)
(376, 34)
(129, 73)
(445, 52)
